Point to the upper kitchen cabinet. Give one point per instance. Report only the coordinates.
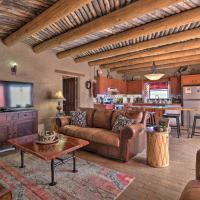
(190, 79)
(103, 83)
(135, 87)
(175, 85)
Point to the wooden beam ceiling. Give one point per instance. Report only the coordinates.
(172, 55)
(58, 10)
(160, 62)
(170, 39)
(120, 16)
(160, 67)
(177, 20)
(191, 44)
(187, 45)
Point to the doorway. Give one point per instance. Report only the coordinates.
(70, 92)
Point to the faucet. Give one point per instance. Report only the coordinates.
(157, 98)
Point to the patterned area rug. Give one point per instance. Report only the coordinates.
(92, 182)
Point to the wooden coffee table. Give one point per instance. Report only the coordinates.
(52, 152)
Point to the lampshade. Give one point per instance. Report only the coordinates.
(59, 95)
(154, 76)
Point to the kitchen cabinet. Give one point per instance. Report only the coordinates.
(104, 106)
(190, 79)
(135, 87)
(103, 83)
(175, 85)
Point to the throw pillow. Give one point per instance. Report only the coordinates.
(78, 118)
(120, 122)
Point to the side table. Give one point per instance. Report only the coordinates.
(157, 148)
(5, 194)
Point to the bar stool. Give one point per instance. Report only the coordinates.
(196, 117)
(152, 120)
(177, 126)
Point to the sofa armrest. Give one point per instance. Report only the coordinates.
(129, 140)
(130, 132)
(63, 121)
(198, 165)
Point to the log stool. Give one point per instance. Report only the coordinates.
(157, 149)
(177, 126)
(196, 117)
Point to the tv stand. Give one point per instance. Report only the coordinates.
(17, 123)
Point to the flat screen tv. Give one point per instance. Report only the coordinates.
(16, 94)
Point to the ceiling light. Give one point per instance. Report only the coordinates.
(154, 76)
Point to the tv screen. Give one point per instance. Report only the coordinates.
(16, 94)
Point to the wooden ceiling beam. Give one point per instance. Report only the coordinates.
(120, 16)
(187, 45)
(152, 58)
(157, 63)
(167, 23)
(170, 39)
(58, 10)
(160, 67)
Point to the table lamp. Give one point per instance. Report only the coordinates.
(59, 96)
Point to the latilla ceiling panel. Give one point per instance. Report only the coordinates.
(14, 14)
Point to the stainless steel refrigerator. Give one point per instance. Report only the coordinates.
(191, 99)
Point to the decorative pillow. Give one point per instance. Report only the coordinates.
(78, 118)
(121, 122)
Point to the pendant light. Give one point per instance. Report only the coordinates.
(154, 76)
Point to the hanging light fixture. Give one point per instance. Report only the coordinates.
(154, 76)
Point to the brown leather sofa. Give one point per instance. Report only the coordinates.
(123, 146)
(192, 189)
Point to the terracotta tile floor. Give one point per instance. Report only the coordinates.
(156, 183)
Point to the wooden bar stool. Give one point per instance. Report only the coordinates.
(152, 120)
(177, 126)
(196, 117)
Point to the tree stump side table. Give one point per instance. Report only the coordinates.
(157, 149)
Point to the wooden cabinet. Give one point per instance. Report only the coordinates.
(190, 79)
(104, 106)
(103, 83)
(16, 124)
(135, 87)
(175, 85)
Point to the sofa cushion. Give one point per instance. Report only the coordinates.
(78, 118)
(137, 116)
(102, 119)
(120, 122)
(97, 135)
(89, 115)
(191, 191)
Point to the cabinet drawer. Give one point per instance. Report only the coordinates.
(3, 117)
(12, 116)
(25, 115)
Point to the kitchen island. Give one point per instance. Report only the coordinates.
(160, 110)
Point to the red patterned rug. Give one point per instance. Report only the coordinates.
(92, 182)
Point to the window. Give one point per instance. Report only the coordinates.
(161, 93)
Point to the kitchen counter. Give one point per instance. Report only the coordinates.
(136, 105)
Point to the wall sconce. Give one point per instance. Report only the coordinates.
(13, 69)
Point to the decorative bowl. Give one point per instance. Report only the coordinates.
(47, 137)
